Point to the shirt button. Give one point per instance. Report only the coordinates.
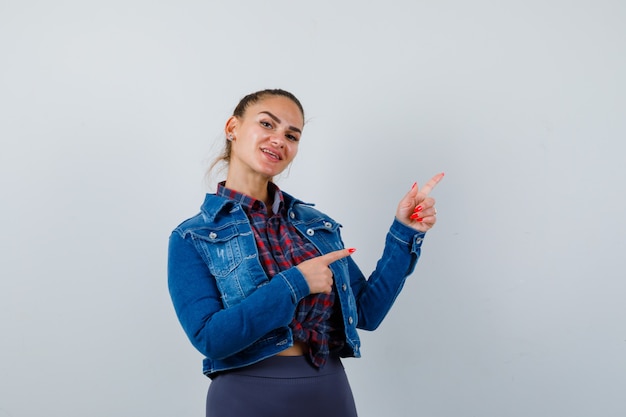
(350, 320)
(310, 232)
(292, 215)
(328, 225)
(418, 240)
(212, 235)
(344, 287)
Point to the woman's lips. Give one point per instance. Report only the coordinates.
(271, 154)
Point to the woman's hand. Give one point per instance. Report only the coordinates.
(317, 273)
(417, 209)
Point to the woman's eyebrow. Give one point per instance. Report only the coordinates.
(277, 120)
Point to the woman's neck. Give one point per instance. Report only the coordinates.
(254, 186)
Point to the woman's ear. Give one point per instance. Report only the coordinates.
(230, 129)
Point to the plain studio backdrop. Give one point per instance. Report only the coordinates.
(110, 113)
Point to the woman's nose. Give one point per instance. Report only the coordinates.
(277, 140)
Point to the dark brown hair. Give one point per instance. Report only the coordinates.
(240, 111)
(253, 98)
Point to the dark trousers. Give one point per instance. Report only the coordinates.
(282, 386)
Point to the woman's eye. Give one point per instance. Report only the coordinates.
(266, 124)
(292, 138)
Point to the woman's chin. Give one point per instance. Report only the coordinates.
(271, 172)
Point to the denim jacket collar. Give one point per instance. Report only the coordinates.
(215, 205)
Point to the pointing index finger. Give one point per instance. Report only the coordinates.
(338, 254)
(428, 187)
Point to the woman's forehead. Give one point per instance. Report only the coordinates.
(278, 106)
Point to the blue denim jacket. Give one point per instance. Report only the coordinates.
(236, 315)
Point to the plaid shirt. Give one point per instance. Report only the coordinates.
(316, 321)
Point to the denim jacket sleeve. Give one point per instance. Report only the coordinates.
(218, 332)
(375, 295)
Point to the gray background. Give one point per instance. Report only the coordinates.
(110, 113)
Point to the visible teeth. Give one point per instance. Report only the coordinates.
(269, 152)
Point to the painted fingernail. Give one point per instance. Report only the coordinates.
(418, 208)
(352, 250)
(414, 184)
(416, 216)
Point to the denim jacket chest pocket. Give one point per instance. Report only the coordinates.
(231, 255)
(323, 232)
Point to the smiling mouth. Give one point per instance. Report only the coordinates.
(270, 153)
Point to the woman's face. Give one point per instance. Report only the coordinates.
(265, 140)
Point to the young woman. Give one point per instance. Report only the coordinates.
(261, 281)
